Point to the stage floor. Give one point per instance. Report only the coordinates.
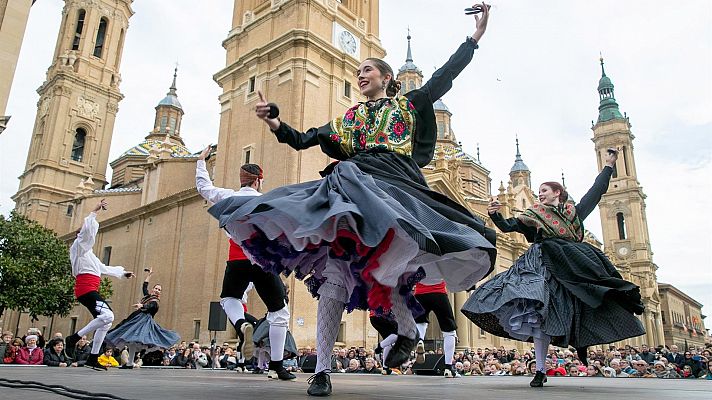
(220, 384)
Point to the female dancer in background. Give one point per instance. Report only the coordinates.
(561, 289)
(139, 330)
(371, 228)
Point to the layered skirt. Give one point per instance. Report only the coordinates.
(567, 291)
(370, 226)
(141, 331)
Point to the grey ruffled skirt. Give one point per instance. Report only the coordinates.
(363, 233)
(141, 331)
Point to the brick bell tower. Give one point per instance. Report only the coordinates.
(75, 112)
(623, 221)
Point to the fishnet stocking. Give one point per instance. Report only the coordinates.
(328, 320)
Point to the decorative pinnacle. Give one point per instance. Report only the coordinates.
(518, 155)
(563, 179)
(409, 56)
(603, 71)
(478, 152)
(173, 85)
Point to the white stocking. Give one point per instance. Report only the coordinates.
(541, 348)
(402, 315)
(449, 339)
(328, 320)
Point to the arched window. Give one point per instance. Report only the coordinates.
(441, 131)
(100, 36)
(78, 30)
(620, 219)
(78, 145)
(625, 161)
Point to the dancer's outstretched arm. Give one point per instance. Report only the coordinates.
(600, 186)
(203, 183)
(87, 234)
(300, 140)
(507, 224)
(441, 81)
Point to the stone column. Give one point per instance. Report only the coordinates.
(463, 329)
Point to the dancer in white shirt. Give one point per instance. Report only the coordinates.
(87, 269)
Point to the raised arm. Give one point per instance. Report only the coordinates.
(205, 185)
(116, 272)
(508, 224)
(295, 139)
(87, 234)
(441, 81)
(600, 186)
(149, 273)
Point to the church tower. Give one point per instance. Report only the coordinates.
(303, 55)
(75, 112)
(519, 174)
(622, 208)
(411, 77)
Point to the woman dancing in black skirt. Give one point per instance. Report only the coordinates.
(562, 290)
(362, 236)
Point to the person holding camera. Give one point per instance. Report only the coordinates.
(139, 330)
(87, 269)
(561, 290)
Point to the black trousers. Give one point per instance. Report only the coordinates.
(239, 274)
(384, 326)
(438, 303)
(93, 302)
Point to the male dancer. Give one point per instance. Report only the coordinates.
(434, 298)
(87, 269)
(239, 272)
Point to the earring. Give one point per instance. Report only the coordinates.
(383, 86)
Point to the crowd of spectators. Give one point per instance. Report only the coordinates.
(625, 362)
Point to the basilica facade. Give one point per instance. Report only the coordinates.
(302, 55)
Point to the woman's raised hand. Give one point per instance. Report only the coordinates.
(481, 22)
(493, 206)
(611, 157)
(262, 112)
(262, 107)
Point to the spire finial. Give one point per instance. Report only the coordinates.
(563, 179)
(519, 156)
(603, 71)
(409, 56)
(173, 87)
(478, 152)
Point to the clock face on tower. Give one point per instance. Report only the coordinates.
(347, 42)
(344, 40)
(623, 251)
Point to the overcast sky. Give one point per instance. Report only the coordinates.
(535, 75)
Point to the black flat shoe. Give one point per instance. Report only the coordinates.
(71, 342)
(539, 379)
(400, 352)
(277, 371)
(319, 385)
